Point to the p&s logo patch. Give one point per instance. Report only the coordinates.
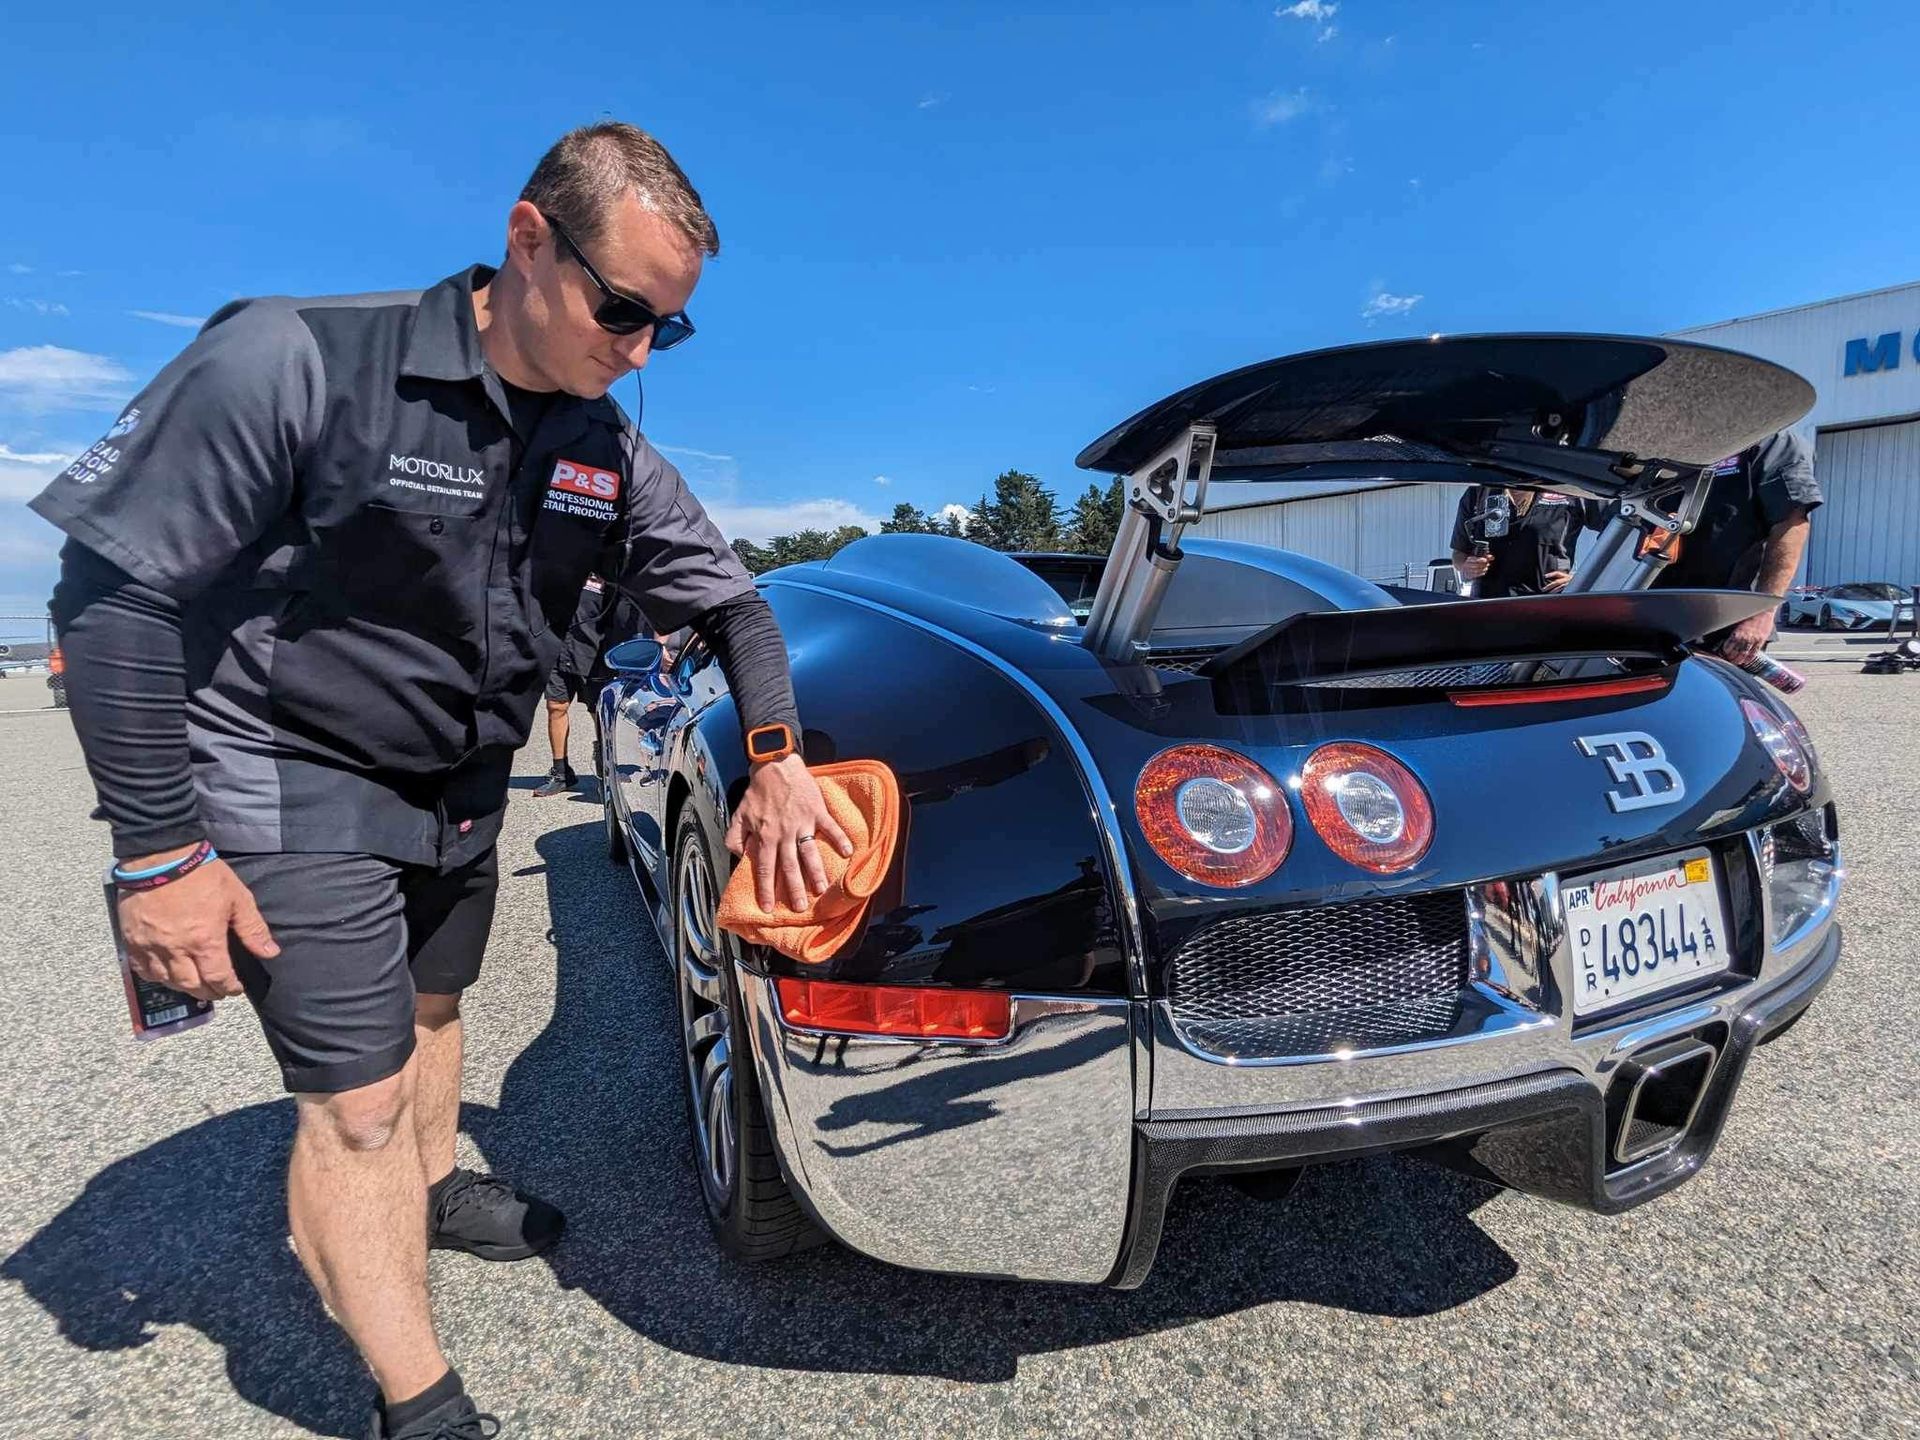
(583, 490)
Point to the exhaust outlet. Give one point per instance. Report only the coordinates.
(1666, 1084)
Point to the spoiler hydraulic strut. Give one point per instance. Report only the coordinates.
(1164, 496)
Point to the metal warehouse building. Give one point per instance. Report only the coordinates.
(1862, 355)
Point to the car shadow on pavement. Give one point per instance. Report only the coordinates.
(592, 1115)
(193, 1231)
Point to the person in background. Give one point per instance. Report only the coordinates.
(1751, 534)
(605, 616)
(1535, 555)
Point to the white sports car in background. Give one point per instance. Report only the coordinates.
(1871, 605)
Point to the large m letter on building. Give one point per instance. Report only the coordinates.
(1882, 354)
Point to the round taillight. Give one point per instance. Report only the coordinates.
(1213, 815)
(1788, 757)
(1367, 806)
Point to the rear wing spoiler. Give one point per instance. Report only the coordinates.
(1320, 645)
(1630, 419)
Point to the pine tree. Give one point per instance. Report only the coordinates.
(1023, 515)
(1095, 520)
(908, 520)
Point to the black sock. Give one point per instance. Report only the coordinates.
(402, 1413)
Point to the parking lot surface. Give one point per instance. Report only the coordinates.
(147, 1289)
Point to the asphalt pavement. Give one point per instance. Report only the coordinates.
(147, 1289)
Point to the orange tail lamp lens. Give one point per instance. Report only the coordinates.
(1213, 815)
(1367, 807)
(909, 1012)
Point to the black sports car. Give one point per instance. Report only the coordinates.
(1247, 865)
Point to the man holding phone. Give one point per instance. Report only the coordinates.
(1518, 542)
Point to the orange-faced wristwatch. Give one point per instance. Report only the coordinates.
(770, 742)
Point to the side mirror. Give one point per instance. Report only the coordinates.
(638, 656)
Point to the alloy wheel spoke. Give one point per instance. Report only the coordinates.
(715, 1064)
(703, 1030)
(694, 928)
(724, 1148)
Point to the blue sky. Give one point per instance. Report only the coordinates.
(956, 240)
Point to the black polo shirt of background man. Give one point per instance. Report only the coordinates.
(1762, 487)
(1539, 542)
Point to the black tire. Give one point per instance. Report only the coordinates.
(1826, 620)
(59, 687)
(753, 1214)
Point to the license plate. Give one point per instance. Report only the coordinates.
(1644, 929)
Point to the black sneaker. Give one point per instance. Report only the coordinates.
(455, 1420)
(559, 781)
(485, 1216)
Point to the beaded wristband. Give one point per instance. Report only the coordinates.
(167, 873)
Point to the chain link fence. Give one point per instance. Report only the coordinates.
(30, 677)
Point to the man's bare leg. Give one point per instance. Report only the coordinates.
(560, 777)
(437, 1036)
(559, 719)
(358, 1208)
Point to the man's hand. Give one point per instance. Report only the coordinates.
(1556, 581)
(1748, 638)
(1472, 567)
(177, 934)
(779, 819)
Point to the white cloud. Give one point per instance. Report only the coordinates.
(167, 317)
(955, 512)
(1382, 305)
(1314, 12)
(760, 523)
(931, 99)
(48, 377)
(38, 307)
(18, 269)
(25, 473)
(1282, 106)
(882, 480)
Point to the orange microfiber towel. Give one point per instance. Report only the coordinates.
(865, 798)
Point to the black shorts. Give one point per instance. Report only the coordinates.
(565, 685)
(359, 937)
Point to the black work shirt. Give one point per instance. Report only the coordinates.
(375, 579)
(605, 616)
(1536, 543)
(1750, 494)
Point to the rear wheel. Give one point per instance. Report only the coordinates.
(753, 1214)
(1826, 620)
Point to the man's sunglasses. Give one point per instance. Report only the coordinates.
(619, 314)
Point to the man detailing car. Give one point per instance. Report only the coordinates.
(315, 580)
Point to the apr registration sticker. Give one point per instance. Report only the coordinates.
(583, 490)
